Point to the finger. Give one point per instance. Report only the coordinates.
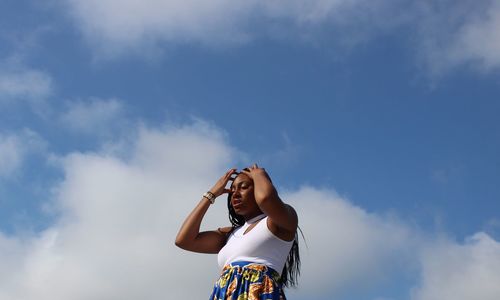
(245, 172)
(229, 178)
(230, 172)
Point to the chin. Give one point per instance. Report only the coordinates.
(239, 212)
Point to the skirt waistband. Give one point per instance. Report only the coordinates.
(252, 267)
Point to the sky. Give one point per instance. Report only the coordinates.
(377, 121)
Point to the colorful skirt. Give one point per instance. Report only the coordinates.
(245, 280)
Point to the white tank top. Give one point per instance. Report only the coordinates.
(259, 245)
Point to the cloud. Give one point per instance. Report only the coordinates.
(443, 34)
(20, 83)
(133, 24)
(14, 147)
(93, 116)
(460, 272)
(452, 34)
(115, 27)
(118, 216)
(478, 40)
(349, 251)
(118, 219)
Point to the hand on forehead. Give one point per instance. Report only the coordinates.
(241, 177)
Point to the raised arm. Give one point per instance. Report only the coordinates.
(282, 217)
(189, 236)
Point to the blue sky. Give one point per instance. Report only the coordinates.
(389, 111)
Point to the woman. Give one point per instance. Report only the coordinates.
(261, 241)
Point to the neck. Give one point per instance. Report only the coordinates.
(252, 215)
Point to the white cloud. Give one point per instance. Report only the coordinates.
(12, 251)
(479, 39)
(452, 34)
(93, 116)
(461, 272)
(131, 24)
(444, 34)
(119, 216)
(116, 27)
(24, 84)
(118, 222)
(10, 157)
(348, 248)
(14, 147)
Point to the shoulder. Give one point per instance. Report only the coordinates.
(291, 211)
(286, 233)
(291, 217)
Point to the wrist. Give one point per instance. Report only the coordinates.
(210, 196)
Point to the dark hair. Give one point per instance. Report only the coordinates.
(291, 270)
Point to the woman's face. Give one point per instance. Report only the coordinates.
(243, 198)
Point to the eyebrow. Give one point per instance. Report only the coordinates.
(241, 182)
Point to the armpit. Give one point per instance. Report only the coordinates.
(225, 230)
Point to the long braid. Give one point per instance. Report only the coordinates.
(235, 219)
(291, 270)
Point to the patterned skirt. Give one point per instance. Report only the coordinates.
(248, 281)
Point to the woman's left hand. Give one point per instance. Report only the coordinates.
(254, 170)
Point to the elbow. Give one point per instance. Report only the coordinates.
(184, 243)
(179, 242)
(181, 245)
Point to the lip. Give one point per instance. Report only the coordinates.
(236, 203)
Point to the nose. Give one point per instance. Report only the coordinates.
(236, 193)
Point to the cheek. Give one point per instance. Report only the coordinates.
(249, 195)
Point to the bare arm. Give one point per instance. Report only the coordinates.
(189, 236)
(283, 218)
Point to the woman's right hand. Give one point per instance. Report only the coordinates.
(220, 186)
